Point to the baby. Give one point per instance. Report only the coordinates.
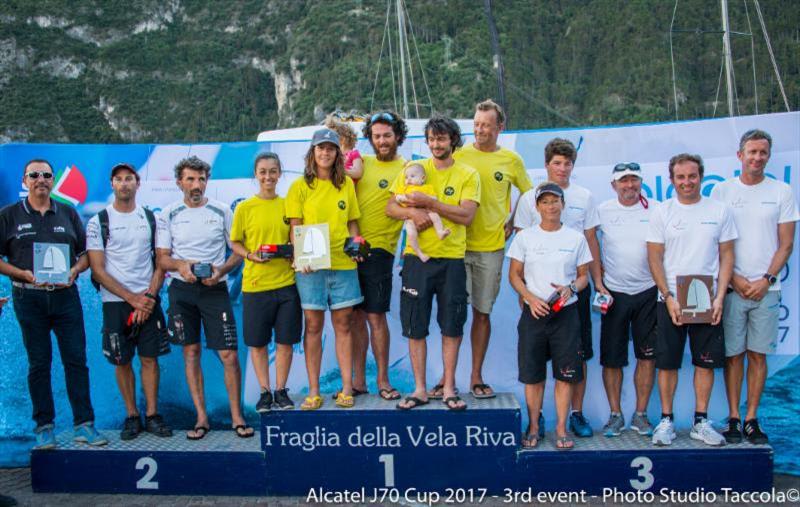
(353, 163)
(415, 182)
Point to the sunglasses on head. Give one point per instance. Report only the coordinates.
(34, 175)
(381, 116)
(631, 166)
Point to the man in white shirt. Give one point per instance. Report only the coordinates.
(765, 213)
(192, 237)
(624, 222)
(120, 243)
(689, 235)
(579, 214)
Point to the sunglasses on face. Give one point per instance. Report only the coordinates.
(631, 166)
(34, 175)
(381, 116)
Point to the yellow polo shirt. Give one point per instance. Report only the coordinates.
(373, 194)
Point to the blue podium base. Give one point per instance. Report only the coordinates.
(386, 454)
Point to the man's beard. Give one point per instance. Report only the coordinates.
(388, 157)
(443, 156)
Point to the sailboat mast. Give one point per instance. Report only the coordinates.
(401, 32)
(726, 46)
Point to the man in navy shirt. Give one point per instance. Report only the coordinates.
(41, 307)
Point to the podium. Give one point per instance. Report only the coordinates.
(374, 451)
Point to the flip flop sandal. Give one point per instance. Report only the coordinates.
(437, 393)
(344, 401)
(241, 431)
(449, 403)
(199, 433)
(530, 441)
(415, 402)
(311, 403)
(389, 394)
(356, 392)
(561, 444)
(484, 395)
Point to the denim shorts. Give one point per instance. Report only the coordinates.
(328, 289)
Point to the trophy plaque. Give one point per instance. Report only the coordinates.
(312, 247)
(695, 294)
(51, 263)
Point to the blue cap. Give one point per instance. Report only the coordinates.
(325, 136)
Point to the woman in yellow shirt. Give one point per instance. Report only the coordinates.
(270, 303)
(325, 195)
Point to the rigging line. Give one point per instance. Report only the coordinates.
(672, 59)
(410, 62)
(391, 62)
(753, 55)
(719, 85)
(378, 70)
(419, 59)
(771, 54)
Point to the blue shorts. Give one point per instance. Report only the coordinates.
(328, 289)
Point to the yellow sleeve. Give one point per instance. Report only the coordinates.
(354, 212)
(472, 188)
(237, 228)
(521, 179)
(295, 199)
(399, 184)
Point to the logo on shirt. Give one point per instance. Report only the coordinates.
(449, 191)
(498, 176)
(286, 220)
(58, 228)
(24, 226)
(709, 222)
(738, 203)
(617, 220)
(680, 225)
(342, 205)
(383, 184)
(769, 203)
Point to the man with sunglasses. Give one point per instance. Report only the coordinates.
(624, 222)
(120, 241)
(385, 131)
(579, 214)
(41, 308)
(765, 213)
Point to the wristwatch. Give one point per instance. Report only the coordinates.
(667, 295)
(771, 278)
(572, 287)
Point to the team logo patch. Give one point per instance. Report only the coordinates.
(498, 176)
(342, 205)
(383, 183)
(449, 191)
(286, 220)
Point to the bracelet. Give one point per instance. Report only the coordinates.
(148, 295)
(247, 257)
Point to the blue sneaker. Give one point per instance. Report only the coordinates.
(541, 426)
(579, 425)
(45, 437)
(87, 434)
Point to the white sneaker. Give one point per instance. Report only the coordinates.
(706, 433)
(664, 433)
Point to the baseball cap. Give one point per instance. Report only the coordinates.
(549, 188)
(124, 167)
(621, 170)
(325, 136)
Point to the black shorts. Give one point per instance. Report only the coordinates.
(447, 279)
(121, 342)
(584, 305)
(705, 341)
(278, 310)
(375, 279)
(555, 336)
(191, 304)
(630, 315)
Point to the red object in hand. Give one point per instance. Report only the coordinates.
(269, 249)
(555, 302)
(129, 323)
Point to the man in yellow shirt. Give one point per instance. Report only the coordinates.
(386, 131)
(499, 168)
(458, 190)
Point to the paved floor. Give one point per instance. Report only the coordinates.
(16, 482)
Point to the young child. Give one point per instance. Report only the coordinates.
(415, 182)
(353, 164)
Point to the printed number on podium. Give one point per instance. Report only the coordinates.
(645, 479)
(388, 469)
(151, 467)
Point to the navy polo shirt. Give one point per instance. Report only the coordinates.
(21, 226)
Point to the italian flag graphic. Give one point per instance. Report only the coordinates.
(70, 187)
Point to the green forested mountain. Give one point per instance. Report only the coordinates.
(192, 70)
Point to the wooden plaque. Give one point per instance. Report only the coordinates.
(695, 295)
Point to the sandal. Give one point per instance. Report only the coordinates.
(437, 393)
(564, 443)
(241, 431)
(356, 392)
(415, 402)
(199, 433)
(311, 403)
(451, 404)
(345, 400)
(530, 441)
(389, 393)
(483, 395)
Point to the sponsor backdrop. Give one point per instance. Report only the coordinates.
(83, 180)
